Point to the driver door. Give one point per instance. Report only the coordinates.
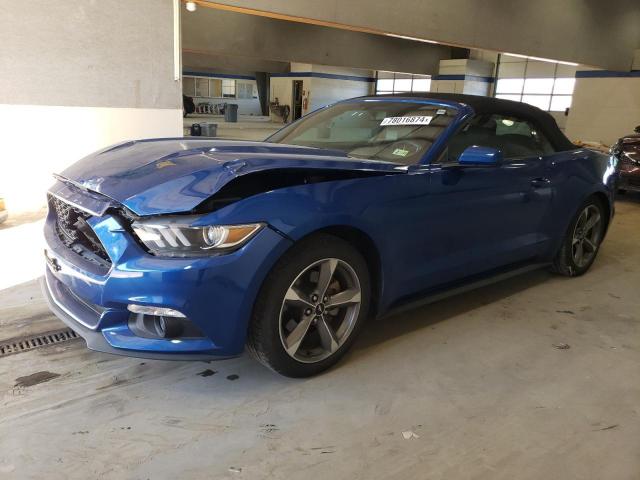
(483, 217)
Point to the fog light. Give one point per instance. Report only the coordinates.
(155, 311)
(167, 327)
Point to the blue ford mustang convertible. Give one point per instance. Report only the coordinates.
(191, 248)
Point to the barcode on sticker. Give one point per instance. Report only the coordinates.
(416, 120)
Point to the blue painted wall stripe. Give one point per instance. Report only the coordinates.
(463, 77)
(218, 75)
(333, 76)
(606, 74)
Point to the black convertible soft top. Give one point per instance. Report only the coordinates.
(488, 105)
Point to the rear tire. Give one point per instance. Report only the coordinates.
(311, 307)
(582, 240)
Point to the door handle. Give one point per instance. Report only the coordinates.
(540, 182)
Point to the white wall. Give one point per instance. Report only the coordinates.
(473, 71)
(38, 140)
(447, 86)
(76, 77)
(325, 91)
(604, 109)
(321, 91)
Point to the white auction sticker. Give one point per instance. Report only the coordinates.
(417, 120)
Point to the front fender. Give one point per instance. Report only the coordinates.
(295, 211)
(362, 204)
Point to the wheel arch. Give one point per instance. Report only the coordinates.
(365, 245)
(606, 201)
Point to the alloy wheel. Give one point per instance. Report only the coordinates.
(320, 310)
(586, 236)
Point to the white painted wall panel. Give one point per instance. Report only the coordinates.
(325, 91)
(452, 67)
(39, 140)
(604, 109)
(472, 87)
(447, 86)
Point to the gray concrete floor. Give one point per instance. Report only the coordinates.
(476, 377)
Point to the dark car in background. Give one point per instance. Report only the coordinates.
(627, 151)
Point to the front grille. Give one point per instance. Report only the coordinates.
(73, 231)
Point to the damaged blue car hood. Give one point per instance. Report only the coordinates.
(163, 176)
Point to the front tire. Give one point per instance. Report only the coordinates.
(582, 240)
(310, 307)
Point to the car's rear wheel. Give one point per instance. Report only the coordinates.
(310, 307)
(582, 241)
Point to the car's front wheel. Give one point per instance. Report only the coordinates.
(582, 241)
(310, 307)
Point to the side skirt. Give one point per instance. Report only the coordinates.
(472, 284)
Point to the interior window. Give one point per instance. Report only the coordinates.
(516, 138)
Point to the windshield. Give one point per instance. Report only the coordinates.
(394, 131)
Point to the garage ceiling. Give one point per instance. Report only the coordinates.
(590, 32)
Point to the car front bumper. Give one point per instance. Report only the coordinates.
(630, 180)
(215, 293)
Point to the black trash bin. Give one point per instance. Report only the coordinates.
(231, 112)
(196, 130)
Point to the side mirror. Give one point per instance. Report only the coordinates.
(637, 129)
(476, 155)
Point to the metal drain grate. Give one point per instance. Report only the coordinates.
(19, 345)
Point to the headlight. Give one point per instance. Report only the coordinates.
(179, 240)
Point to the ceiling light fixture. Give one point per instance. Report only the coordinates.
(191, 6)
(540, 59)
(414, 39)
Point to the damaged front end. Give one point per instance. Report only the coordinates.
(152, 286)
(255, 183)
(163, 256)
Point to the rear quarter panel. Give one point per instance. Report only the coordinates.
(576, 175)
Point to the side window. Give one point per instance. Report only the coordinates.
(521, 138)
(516, 138)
